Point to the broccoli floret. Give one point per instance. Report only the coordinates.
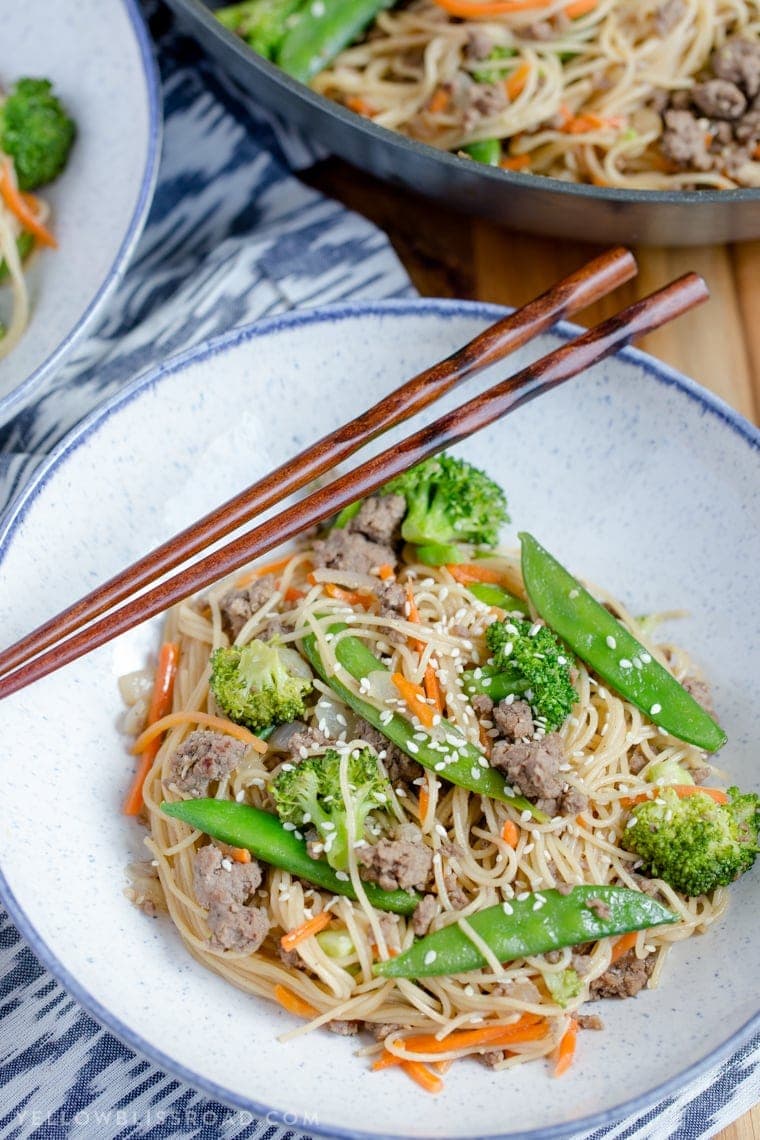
(538, 665)
(254, 685)
(669, 772)
(261, 23)
(36, 132)
(564, 986)
(694, 843)
(448, 502)
(309, 794)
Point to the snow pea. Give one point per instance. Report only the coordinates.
(458, 763)
(494, 595)
(487, 151)
(611, 651)
(532, 924)
(264, 836)
(320, 30)
(494, 683)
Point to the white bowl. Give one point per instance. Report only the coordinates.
(631, 474)
(100, 60)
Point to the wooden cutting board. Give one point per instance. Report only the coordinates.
(448, 255)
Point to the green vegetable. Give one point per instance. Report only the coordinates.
(668, 772)
(534, 663)
(335, 943)
(493, 74)
(254, 685)
(343, 518)
(519, 928)
(36, 132)
(694, 843)
(24, 245)
(310, 793)
(611, 651)
(563, 987)
(320, 29)
(487, 151)
(264, 836)
(448, 502)
(460, 764)
(261, 23)
(494, 595)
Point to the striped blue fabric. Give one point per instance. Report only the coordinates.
(232, 236)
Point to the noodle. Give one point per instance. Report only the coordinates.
(605, 742)
(580, 99)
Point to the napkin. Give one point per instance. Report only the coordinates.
(232, 236)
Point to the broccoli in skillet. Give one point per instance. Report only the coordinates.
(528, 660)
(256, 685)
(310, 794)
(694, 843)
(261, 23)
(36, 131)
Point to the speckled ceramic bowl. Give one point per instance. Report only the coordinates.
(632, 474)
(100, 60)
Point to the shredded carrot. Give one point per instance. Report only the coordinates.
(385, 572)
(350, 597)
(312, 926)
(386, 1060)
(260, 571)
(239, 854)
(566, 1049)
(413, 616)
(424, 801)
(582, 124)
(161, 702)
(465, 573)
(293, 1003)
(756, 153)
(293, 595)
(580, 8)
(414, 695)
(392, 952)
(623, 945)
(24, 206)
(515, 162)
(439, 100)
(442, 1066)
(207, 720)
(681, 790)
(529, 1027)
(423, 1076)
(514, 84)
(510, 833)
(486, 743)
(433, 689)
(360, 106)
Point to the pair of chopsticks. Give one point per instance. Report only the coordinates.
(98, 617)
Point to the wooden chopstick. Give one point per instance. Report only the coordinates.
(553, 369)
(570, 295)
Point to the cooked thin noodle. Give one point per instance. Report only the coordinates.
(618, 64)
(473, 865)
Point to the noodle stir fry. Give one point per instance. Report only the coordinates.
(408, 784)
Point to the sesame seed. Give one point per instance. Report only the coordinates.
(413, 748)
(574, 593)
(534, 629)
(475, 773)
(611, 641)
(526, 816)
(538, 904)
(507, 908)
(289, 826)
(439, 767)
(646, 658)
(430, 957)
(342, 876)
(469, 990)
(655, 709)
(625, 663)
(240, 797)
(522, 896)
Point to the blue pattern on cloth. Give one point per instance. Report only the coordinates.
(231, 236)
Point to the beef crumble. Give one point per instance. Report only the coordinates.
(202, 759)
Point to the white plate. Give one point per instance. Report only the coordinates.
(632, 475)
(100, 60)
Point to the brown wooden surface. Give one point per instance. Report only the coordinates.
(448, 255)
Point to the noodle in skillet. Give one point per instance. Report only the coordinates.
(608, 747)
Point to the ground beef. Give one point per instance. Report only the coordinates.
(573, 802)
(392, 599)
(637, 761)
(599, 907)
(424, 915)
(700, 691)
(457, 896)
(482, 705)
(401, 769)
(492, 1057)
(685, 142)
(479, 45)
(291, 958)
(379, 519)
(747, 130)
(589, 1021)
(203, 758)
(515, 720)
(345, 1028)
(738, 61)
(397, 863)
(383, 1029)
(310, 739)
(564, 888)
(224, 888)
(533, 769)
(624, 978)
(488, 99)
(345, 550)
(719, 99)
(238, 606)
